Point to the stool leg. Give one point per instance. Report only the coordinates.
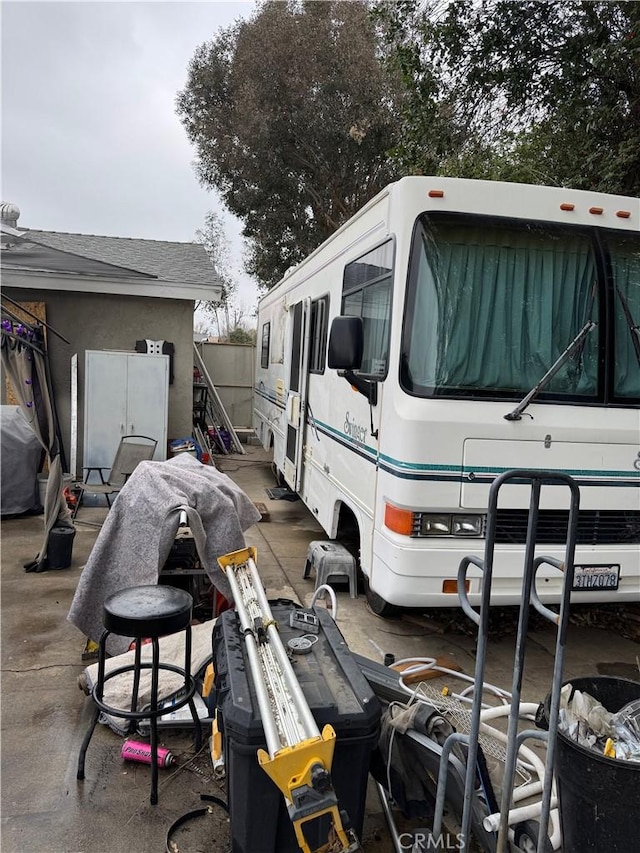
(322, 578)
(102, 656)
(85, 742)
(131, 726)
(197, 741)
(153, 721)
(353, 585)
(97, 690)
(187, 682)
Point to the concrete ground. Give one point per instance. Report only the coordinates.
(44, 713)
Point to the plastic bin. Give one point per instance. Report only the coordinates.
(60, 547)
(599, 796)
(336, 692)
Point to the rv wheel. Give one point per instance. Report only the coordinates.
(377, 604)
(277, 475)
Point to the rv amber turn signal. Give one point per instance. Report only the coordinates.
(398, 520)
(450, 586)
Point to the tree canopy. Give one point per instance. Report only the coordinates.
(302, 113)
(541, 92)
(291, 114)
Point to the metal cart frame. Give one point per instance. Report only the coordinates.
(451, 773)
(536, 479)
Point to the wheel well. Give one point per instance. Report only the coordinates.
(348, 531)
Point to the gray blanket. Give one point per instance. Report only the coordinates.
(136, 538)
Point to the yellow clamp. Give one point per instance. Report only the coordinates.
(291, 767)
(216, 739)
(237, 558)
(207, 684)
(337, 830)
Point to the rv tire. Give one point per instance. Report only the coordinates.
(377, 604)
(277, 475)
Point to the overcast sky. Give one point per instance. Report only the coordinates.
(90, 139)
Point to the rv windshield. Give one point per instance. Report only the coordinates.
(492, 304)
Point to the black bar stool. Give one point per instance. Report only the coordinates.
(145, 612)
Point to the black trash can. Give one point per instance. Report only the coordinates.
(598, 796)
(60, 547)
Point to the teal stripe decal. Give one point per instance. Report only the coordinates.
(268, 394)
(420, 471)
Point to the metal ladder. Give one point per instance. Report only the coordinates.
(536, 479)
(298, 757)
(214, 408)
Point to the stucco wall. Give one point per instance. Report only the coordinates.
(100, 321)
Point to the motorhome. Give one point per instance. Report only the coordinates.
(450, 331)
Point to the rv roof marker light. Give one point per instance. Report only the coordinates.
(623, 214)
(436, 193)
(566, 205)
(596, 210)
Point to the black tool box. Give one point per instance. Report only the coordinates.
(337, 694)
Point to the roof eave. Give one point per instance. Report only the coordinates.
(43, 280)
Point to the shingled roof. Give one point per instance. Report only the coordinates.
(164, 260)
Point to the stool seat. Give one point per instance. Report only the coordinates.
(147, 611)
(331, 560)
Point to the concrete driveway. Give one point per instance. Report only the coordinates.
(44, 713)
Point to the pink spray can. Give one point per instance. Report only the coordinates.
(135, 750)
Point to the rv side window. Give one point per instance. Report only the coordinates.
(366, 293)
(318, 343)
(264, 353)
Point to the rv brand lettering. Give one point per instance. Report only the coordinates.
(352, 429)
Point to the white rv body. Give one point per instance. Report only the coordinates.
(435, 456)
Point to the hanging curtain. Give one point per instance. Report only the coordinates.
(24, 358)
(625, 265)
(495, 310)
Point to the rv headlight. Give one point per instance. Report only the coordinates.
(415, 523)
(467, 525)
(439, 524)
(435, 525)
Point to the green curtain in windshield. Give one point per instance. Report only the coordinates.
(496, 306)
(625, 266)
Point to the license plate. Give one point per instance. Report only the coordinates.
(593, 578)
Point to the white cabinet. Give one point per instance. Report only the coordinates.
(124, 394)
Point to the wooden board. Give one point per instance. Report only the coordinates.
(426, 674)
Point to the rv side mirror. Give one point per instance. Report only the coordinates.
(346, 343)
